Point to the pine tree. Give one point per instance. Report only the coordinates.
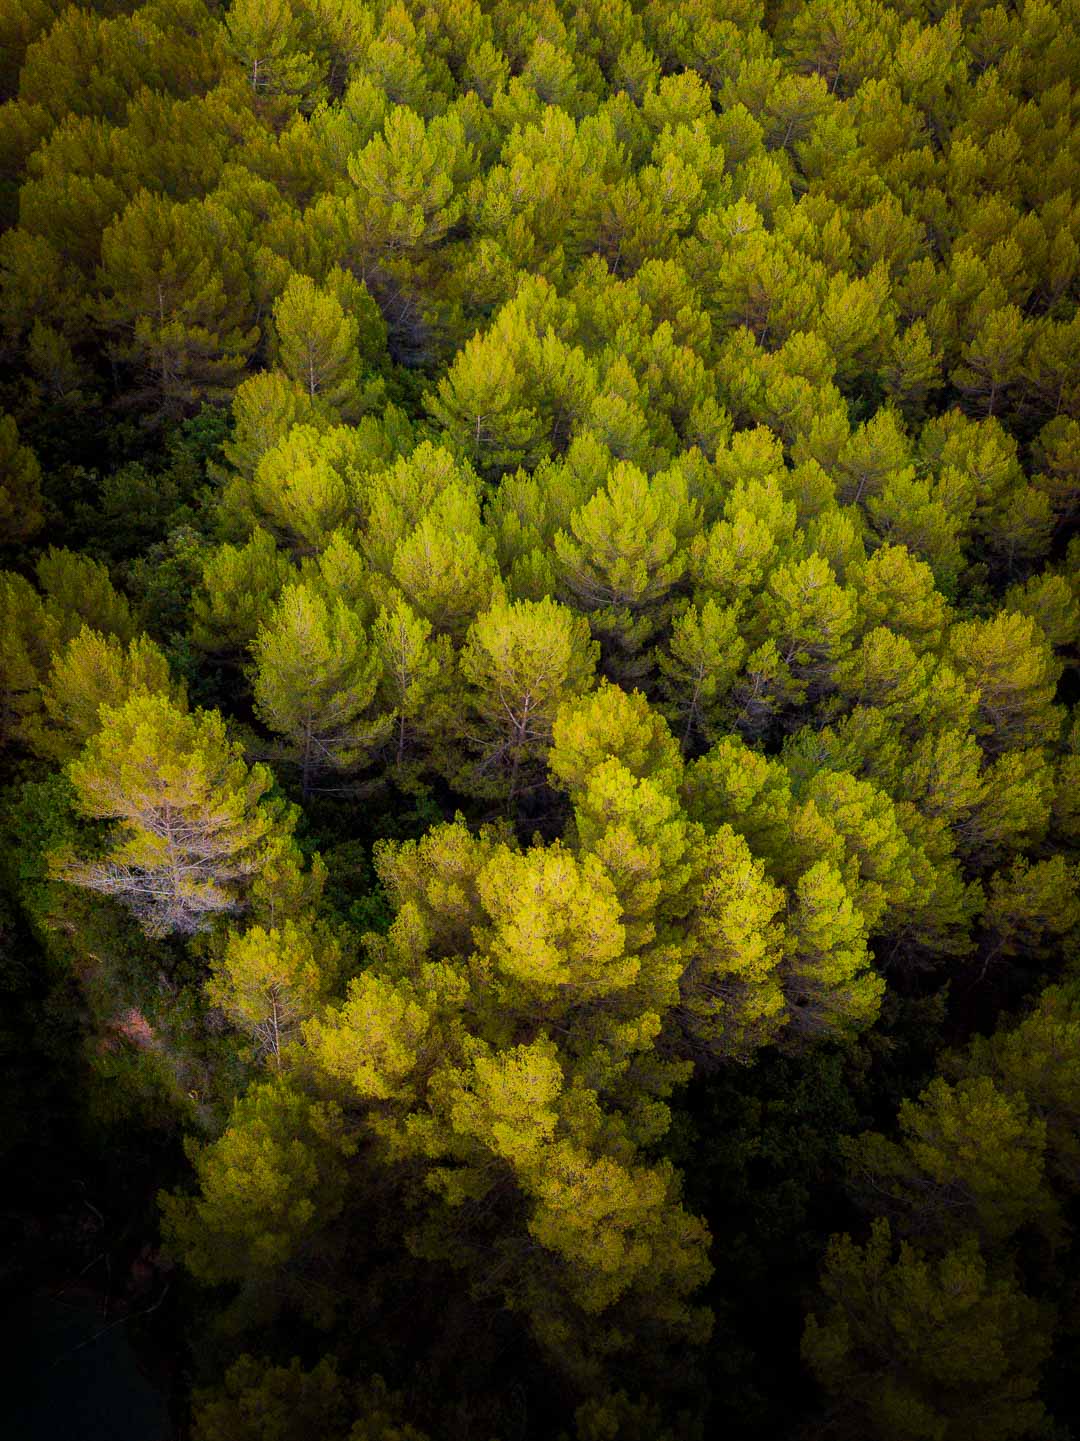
(315, 676)
(543, 928)
(842, 45)
(445, 567)
(828, 980)
(731, 559)
(519, 391)
(912, 1347)
(176, 299)
(1030, 907)
(93, 670)
(810, 617)
(912, 370)
(319, 340)
(732, 1000)
(339, 572)
(417, 673)
(265, 408)
(704, 655)
(1038, 1061)
(736, 786)
(636, 828)
(970, 1159)
(78, 591)
(897, 590)
(268, 1183)
(609, 723)
(269, 981)
(1008, 660)
(300, 491)
(884, 672)
(396, 498)
(1049, 600)
(1012, 809)
(92, 65)
(239, 586)
(1066, 799)
(856, 825)
(63, 378)
(21, 511)
(484, 406)
(877, 452)
(373, 1045)
(406, 183)
(992, 360)
(191, 821)
(29, 633)
(621, 557)
(1059, 475)
(912, 513)
(553, 932)
(521, 660)
(21, 28)
(268, 43)
(257, 1398)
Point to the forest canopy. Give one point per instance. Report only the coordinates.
(539, 638)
